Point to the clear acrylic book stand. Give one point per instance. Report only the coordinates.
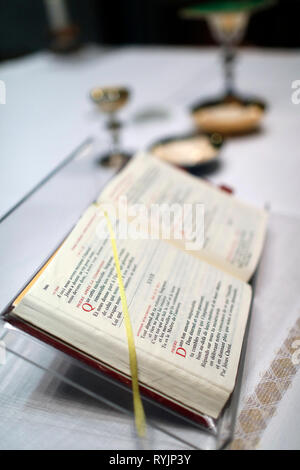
(30, 232)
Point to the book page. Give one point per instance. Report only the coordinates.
(233, 232)
(188, 317)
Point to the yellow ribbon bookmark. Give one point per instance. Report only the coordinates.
(139, 414)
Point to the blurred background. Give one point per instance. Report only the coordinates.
(31, 25)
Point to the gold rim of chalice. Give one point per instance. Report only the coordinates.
(110, 99)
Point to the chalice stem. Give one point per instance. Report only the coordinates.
(228, 63)
(114, 127)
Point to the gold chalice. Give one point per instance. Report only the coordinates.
(110, 100)
(230, 113)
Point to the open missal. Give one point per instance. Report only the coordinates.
(188, 307)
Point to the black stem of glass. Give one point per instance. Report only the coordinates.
(228, 64)
(114, 127)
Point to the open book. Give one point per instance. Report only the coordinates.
(188, 307)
